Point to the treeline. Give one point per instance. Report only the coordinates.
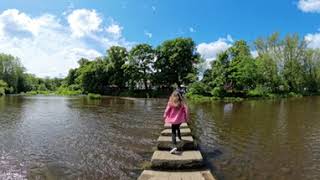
(284, 67)
(142, 71)
(14, 79)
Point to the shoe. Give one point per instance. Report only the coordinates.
(174, 150)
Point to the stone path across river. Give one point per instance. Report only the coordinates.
(186, 164)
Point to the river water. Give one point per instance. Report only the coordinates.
(47, 137)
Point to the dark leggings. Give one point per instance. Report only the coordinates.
(175, 128)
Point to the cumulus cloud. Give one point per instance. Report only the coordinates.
(84, 21)
(47, 47)
(313, 40)
(209, 51)
(309, 5)
(114, 29)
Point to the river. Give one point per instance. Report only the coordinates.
(48, 137)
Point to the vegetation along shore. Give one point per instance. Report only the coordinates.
(277, 67)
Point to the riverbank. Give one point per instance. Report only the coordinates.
(189, 97)
(116, 93)
(200, 98)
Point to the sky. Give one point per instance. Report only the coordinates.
(50, 37)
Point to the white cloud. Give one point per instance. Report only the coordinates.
(313, 40)
(148, 34)
(192, 30)
(83, 22)
(209, 51)
(114, 29)
(309, 5)
(46, 47)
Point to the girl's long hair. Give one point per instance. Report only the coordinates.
(176, 99)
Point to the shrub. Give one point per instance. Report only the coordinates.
(198, 88)
(259, 91)
(94, 96)
(218, 92)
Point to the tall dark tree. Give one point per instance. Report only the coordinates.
(176, 60)
(141, 59)
(116, 57)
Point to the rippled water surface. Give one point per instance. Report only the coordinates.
(44, 137)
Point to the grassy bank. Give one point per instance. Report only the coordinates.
(200, 98)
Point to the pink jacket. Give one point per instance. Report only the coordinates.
(175, 115)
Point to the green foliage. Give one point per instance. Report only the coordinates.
(68, 91)
(94, 96)
(218, 92)
(139, 66)
(3, 87)
(93, 76)
(198, 88)
(242, 69)
(283, 68)
(31, 93)
(176, 59)
(116, 58)
(11, 72)
(259, 91)
(288, 64)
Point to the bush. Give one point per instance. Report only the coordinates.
(199, 88)
(218, 92)
(259, 91)
(94, 96)
(31, 93)
(67, 91)
(293, 94)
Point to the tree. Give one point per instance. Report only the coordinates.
(242, 69)
(116, 57)
(219, 75)
(141, 59)
(267, 73)
(176, 59)
(11, 71)
(70, 79)
(291, 58)
(93, 76)
(3, 87)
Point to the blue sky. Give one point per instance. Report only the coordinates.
(49, 36)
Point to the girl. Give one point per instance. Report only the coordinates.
(176, 113)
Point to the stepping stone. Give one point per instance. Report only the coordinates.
(184, 132)
(168, 126)
(187, 143)
(180, 160)
(167, 175)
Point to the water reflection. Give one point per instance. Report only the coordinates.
(270, 139)
(76, 138)
(45, 137)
